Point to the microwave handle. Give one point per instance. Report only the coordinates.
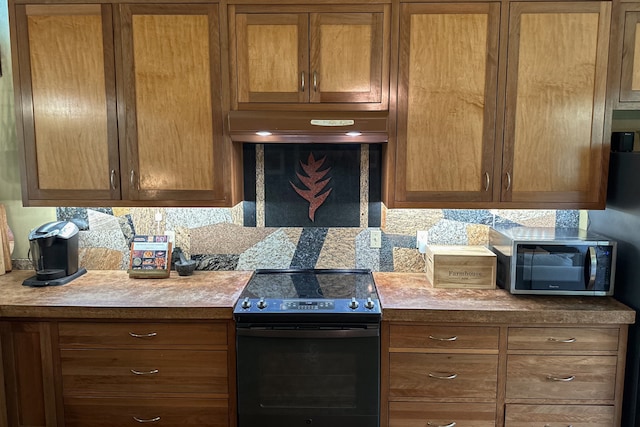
(592, 266)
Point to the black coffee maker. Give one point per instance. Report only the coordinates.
(54, 254)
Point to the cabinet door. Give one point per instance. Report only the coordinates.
(66, 102)
(556, 83)
(272, 57)
(446, 103)
(346, 57)
(630, 77)
(28, 366)
(172, 105)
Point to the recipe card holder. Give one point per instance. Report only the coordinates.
(150, 257)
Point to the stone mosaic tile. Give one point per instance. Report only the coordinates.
(447, 232)
(226, 238)
(121, 211)
(105, 240)
(275, 251)
(197, 217)
(293, 233)
(79, 216)
(408, 221)
(478, 234)
(339, 249)
(144, 221)
(99, 221)
(126, 226)
(567, 218)
(532, 217)
(183, 240)
(364, 185)
(366, 257)
(216, 262)
(101, 259)
(407, 260)
(22, 264)
(237, 214)
(473, 216)
(260, 186)
(308, 247)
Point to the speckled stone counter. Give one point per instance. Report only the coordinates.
(410, 297)
(112, 294)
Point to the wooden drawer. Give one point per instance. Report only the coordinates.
(443, 337)
(142, 335)
(144, 371)
(166, 412)
(559, 416)
(443, 375)
(412, 414)
(561, 377)
(563, 339)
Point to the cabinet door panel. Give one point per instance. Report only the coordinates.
(272, 52)
(446, 102)
(67, 82)
(410, 414)
(175, 148)
(555, 102)
(346, 57)
(561, 415)
(630, 78)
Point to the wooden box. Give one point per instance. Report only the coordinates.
(471, 267)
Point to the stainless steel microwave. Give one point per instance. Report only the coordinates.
(553, 261)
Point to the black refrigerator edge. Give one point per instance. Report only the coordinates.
(621, 222)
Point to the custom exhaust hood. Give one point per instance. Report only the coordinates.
(263, 127)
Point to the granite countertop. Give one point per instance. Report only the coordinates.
(410, 297)
(111, 294)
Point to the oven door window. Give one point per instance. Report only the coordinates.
(308, 380)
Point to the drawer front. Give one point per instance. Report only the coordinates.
(144, 371)
(559, 416)
(165, 412)
(141, 335)
(444, 337)
(563, 339)
(443, 376)
(561, 377)
(412, 414)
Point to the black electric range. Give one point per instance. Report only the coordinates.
(309, 295)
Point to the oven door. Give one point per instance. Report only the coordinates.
(308, 376)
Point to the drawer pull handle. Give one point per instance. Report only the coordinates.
(148, 420)
(453, 338)
(561, 379)
(451, 424)
(568, 340)
(151, 372)
(149, 335)
(443, 376)
(547, 425)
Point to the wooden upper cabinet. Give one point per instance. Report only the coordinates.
(555, 99)
(65, 101)
(171, 104)
(630, 72)
(447, 89)
(310, 55)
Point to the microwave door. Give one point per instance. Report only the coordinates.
(551, 269)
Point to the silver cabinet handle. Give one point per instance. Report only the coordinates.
(315, 81)
(508, 181)
(443, 376)
(487, 181)
(151, 372)
(148, 420)
(568, 340)
(132, 179)
(112, 179)
(149, 335)
(451, 424)
(452, 338)
(302, 81)
(561, 379)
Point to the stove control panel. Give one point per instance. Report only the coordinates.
(308, 305)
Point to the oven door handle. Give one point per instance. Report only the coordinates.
(307, 333)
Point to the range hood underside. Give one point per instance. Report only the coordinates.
(309, 127)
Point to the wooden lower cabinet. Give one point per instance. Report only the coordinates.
(560, 415)
(167, 412)
(502, 375)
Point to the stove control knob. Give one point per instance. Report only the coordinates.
(369, 304)
(353, 304)
(262, 304)
(246, 303)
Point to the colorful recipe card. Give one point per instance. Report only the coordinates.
(150, 257)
